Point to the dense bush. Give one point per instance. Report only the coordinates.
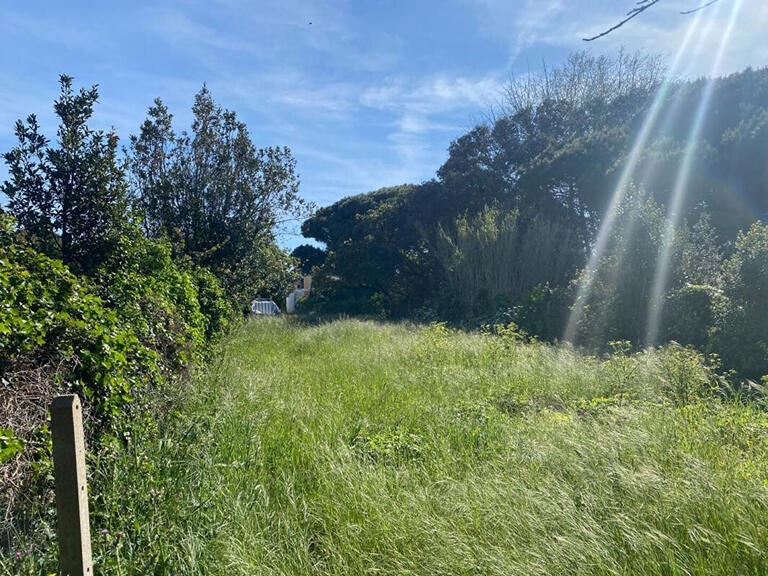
(694, 313)
(493, 260)
(216, 196)
(214, 304)
(743, 339)
(51, 319)
(619, 301)
(138, 322)
(144, 286)
(57, 336)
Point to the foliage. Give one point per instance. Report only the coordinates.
(91, 305)
(111, 341)
(214, 305)
(618, 303)
(377, 260)
(309, 257)
(543, 310)
(71, 199)
(494, 258)
(50, 318)
(548, 157)
(10, 445)
(215, 195)
(693, 315)
(149, 292)
(744, 336)
(503, 231)
(687, 376)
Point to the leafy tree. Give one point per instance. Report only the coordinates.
(694, 309)
(493, 260)
(308, 256)
(378, 261)
(550, 160)
(215, 195)
(545, 157)
(554, 147)
(617, 306)
(71, 199)
(743, 341)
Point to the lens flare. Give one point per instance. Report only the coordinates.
(661, 276)
(585, 287)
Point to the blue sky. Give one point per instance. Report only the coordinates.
(369, 94)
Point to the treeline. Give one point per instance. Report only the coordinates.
(505, 229)
(120, 268)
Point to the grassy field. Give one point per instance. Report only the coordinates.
(359, 448)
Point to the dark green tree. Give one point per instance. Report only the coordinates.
(377, 258)
(215, 195)
(617, 306)
(743, 339)
(70, 199)
(308, 256)
(693, 310)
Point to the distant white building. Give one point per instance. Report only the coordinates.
(302, 290)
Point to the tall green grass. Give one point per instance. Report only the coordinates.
(360, 448)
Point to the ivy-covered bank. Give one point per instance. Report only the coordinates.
(112, 343)
(120, 268)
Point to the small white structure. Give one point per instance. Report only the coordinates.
(303, 288)
(264, 307)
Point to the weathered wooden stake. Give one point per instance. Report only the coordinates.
(71, 488)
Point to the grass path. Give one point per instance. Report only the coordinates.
(357, 448)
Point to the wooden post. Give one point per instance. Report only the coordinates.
(71, 488)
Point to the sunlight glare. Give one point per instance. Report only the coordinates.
(661, 276)
(606, 226)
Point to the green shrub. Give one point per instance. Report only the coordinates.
(50, 319)
(686, 375)
(743, 341)
(57, 336)
(692, 314)
(159, 301)
(214, 306)
(494, 258)
(10, 444)
(617, 306)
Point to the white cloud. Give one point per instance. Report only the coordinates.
(424, 108)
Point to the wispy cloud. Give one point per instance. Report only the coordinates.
(559, 24)
(366, 94)
(439, 104)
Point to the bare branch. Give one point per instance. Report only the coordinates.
(642, 6)
(705, 5)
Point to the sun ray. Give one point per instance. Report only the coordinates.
(619, 192)
(661, 276)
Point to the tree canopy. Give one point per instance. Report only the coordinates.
(71, 198)
(505, 228)
(215, 195)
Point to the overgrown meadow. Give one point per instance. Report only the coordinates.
(355, 448)
(223, 446)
